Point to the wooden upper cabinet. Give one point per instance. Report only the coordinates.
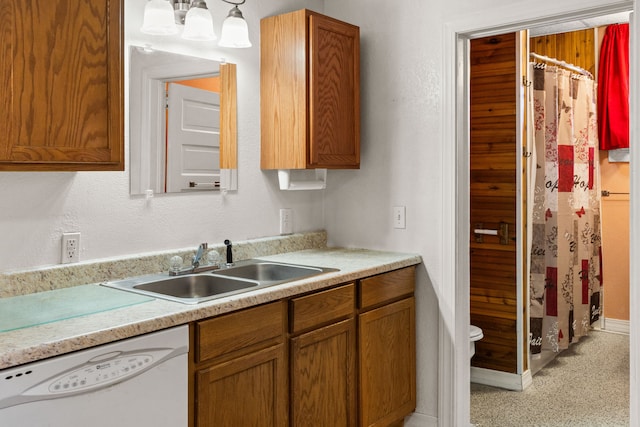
(61, 70)
(309, 92)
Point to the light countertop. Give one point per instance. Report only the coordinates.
(29, 344)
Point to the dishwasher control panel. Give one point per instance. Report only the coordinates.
(100, 373)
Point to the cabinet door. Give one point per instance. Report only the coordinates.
(60, 67)
(334, 78)
(247, 391)
(387, 363)
(323, 376)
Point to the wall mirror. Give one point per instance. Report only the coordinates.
(182, 123)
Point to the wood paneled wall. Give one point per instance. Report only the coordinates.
(576, 47)
(493, 92)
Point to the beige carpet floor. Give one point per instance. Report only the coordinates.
(586, 385)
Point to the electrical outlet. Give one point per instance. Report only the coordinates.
(70, 247)
(399, 220)
(286, 221)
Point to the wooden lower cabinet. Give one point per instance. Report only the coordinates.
(247, 391)
(323, 376)
(323, 358)
(387, 348)
(343, 356)
(238, 369)
(387, 363)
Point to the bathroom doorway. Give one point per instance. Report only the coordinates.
(503, 301)
(454, 388)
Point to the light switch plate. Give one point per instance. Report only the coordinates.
(399, 219)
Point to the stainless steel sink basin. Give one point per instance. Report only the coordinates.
(268, 273)
(196, 288)
(187, 289)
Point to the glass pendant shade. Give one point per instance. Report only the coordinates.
(198, 24)
(235, 32)
(158, 18)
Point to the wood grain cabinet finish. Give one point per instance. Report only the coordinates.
(61, 72)
(323, 360)
(240, 332)
(386, 349)
(239, 369)
(322, 308)
(343, 356)
(383, 288)
(250, 390)
(309, 92)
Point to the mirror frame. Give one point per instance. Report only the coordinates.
(146, 142)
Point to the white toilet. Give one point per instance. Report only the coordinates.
(475, 334)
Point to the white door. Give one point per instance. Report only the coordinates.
(193, 139)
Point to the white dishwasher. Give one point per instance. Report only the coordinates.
(137, 382)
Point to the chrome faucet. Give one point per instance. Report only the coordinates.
(227, 242)
(195, 264)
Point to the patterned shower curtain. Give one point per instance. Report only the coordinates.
(565, 262)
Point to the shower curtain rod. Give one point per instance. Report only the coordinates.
(562, 64)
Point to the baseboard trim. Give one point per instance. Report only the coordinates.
(515, 382)
(420, 420)
(616, 325)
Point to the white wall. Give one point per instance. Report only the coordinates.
(36, 208)
(408, 159)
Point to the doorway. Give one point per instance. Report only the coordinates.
(499, 196)
(454, 362)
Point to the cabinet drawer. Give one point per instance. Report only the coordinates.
(322, 307)
(387, 286)
(237, 333)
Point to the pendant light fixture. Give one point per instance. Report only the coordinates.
(198, 23)
(235, 32)
(162, 17)
(158, 18)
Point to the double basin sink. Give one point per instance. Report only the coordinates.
(196, 288)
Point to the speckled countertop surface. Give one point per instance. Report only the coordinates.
(38, 342)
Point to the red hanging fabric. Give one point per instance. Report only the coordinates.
(613, 88)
